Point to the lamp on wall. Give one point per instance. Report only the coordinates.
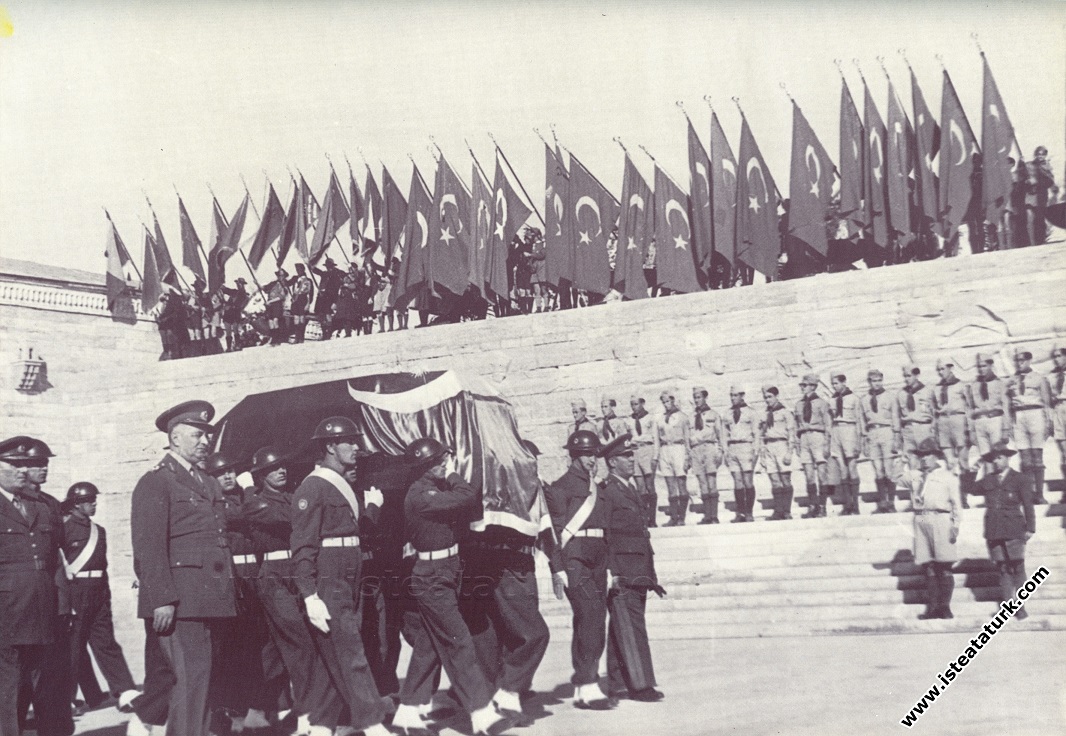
(30, 374)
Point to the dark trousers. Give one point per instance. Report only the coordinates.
(381, 624)
(91, 601)
(436, 585)
(291, 634)
(35, 666)
(629, 665)
(152, 704)
(188, 650)
(342, 648)
(586, 572)
(500, 607)
(85, 676)
(248, 671)
(423, 669)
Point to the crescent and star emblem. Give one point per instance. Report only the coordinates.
(588, 201)
(810, 156)
(679, 241)
(482, 209)
(701, 171)
(423, 228)
(559, 214)
(446, 235)
(753, 202)
(875, 146)
(501, 211)
(730, 181)
(956, 133)
(635, 201)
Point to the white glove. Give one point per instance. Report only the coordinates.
(560, 583)
(612, 580)
(317, 613)
(373, 497)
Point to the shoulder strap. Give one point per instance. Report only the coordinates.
(79, 562)
(338, 482)
(584, 511)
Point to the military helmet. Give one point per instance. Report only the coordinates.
(335, 429)
(82, 492)
(583, 442)
(218, 463)
(266, 458)
(426, 450)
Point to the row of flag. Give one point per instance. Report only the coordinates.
(897, 179)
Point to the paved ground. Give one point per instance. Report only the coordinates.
(811, 685)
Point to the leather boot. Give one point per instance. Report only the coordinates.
(786, 499)
(932, 598)
(682, 505)
(812, 502)
(739, 504)
(710, 509)
(651, 502)
(1038, 485)
(947, 587)
(749, 505)
(890, 496)
(675, 512)
(777, 493)
(855, 496)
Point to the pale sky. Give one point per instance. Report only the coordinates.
(103, 102)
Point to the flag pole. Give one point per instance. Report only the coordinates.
(202, 251)
(520, 185)
(251, 271)
(274, 245)
(332, 176)
(155, 219)
(476, 162)
(984, 58)
(591, 175)
(131, 261)
(743, 117)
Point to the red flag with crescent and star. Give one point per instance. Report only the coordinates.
(216, 271)
(168, 274)
(699, 177)
(358, 212)
(481, 234)
(874, 173)
(852, 165)
(675, 263)
(957, 150)
(190, 243)
(595, 213)
(331, 218)
(270, 228)
(997, 140)
(117, 257)
(228, 243)
(509, 214)
(723, 193)
(927, 144)
(898, 167)
(758, 237)
(391, 215)
(635, 230)
(810, 185)
(411, 277)
(449, 231)
(151, 286)
(558, 243)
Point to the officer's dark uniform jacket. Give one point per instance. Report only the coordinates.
(239, 533)
(268, 515)
(1008, 505)
(437, 511)
(76, 535)
(564, 497)
(180, 552)
(629, 554)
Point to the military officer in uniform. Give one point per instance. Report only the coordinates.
(951, 401)
(1057, 385)
(85, 548)
(879, 443)
(990, 419)
(438, 506)
(1031, 419)
(579, 515)
(327, 567)
(183, 563)
(630, 561)
(672, 459)
(33, 598)
(707, 442)
(744, 445)
(778, 433)
(643, 431)
(845, 443)
(1010, 521)
(611, 425)
(813, 422)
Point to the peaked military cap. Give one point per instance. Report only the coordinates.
(621, 445)
(15, 449)
(196, 413)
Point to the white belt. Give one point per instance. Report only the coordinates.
(89, 574)
(589, 533)
(244, 559)
(440, 554)
(340, 542)
(281, 554)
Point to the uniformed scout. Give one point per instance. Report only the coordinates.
(672, 459)
(913, 414)
(1057, 384)
(579, 514)
(879, 442)
(326, 565)
(438, 506)
(35, 598)
(611, 425)
(706, 441)
(1010, 521)
(85, 548)
(643, 431)
(580, 412)
(813, 422)
(1031, 419)
(951, 400)
(182, 562)
(743, 446)
(990, 418)
(778, 432)
(937, 515)
(630, 561)
(845, 442)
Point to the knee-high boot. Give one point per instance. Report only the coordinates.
(674, 512)
(812, 501)
(947, 587)
(787, 492)
(855, 496)
(651, 501)
(710, 508)
(1038, 484)
(682, 509)
(932, 596)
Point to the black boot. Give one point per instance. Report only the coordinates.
(1038, 485)
(947, 587)
(749, 503)
(682, 505)
(855, 496)
(890, 496)
(675, 512)
(812, 502)
(710, 509)
(1062, 469)
(932, 597)
(786, 499)
(651, 501)
(738, 505)
(778, 494)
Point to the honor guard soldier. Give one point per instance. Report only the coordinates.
(631, 567)
(845, 440)
(672, 458)
(1057, 384)
(879, 441)
(580, 514)
(1010, 521)
(182, 562)
(744, 444)
(580, 412)
(813, 421)
(643, 425)
(778, 432)
(327, 562)
(952, 401)
(706, 440)
(1031, 419)
(35, 599)
(85, 548)
(913, 414)
(438, 507)
(611, 425)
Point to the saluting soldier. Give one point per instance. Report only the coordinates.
(707, 442)
(951, 400)
(579, 514)
(778, 432)
(36, 598)
(845, 440)
(879, 441)
(643, 424)
(183, 563)
(327, 566)
(813, 422)
(1057, 384)
(1031, 419)
(630, 672)
(741, 425)
(85, 548)
(991, 416)
(672, 459)
(439, 505)
(913, 414)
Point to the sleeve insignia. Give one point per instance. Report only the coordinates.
(302, 504)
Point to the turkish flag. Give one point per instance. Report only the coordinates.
(355, 222)
(898, 167)
(333, 215)
(449, 231)
(675, 263)
(227, 244)
(927, 144)
(481, 228)
(151, 286)
(997, 138)
(699, 177)
(852, 159)
(874, 173)
(558, 241)
(758, 237)
(390, 213)
(216, 269)
(595, 213)
(810, 186)
(723, 193)
(635, 231)
(168, 274)
(509, 213)
(190, 243)
(412, 274)
(270, 228)
(957, 151)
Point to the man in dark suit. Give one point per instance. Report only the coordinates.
(631, 567)
(34, 597)
(579, 514)
(1010, 521)
(183, 563)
